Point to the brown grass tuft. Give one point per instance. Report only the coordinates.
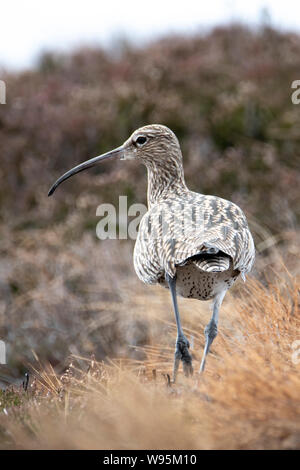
(248, 397)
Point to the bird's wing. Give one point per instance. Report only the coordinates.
(201, 224)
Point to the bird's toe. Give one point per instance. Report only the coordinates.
(188, 368)
(182, 353)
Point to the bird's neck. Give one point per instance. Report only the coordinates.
(164, 182)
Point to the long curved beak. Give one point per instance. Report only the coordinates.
(118, 152)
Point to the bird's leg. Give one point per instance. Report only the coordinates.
(182, 344)
(211, 330)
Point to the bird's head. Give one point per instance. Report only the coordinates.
(152, 145)
(155, 146)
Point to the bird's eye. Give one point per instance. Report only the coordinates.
(141, 140)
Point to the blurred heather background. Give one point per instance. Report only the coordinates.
(78, 83)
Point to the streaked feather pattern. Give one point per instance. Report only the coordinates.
(213, 264)
(222, 226)
(181, 224)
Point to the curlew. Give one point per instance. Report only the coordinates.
(194, 244)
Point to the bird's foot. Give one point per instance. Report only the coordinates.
(182, 354)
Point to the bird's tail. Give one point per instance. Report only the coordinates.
(213, 263)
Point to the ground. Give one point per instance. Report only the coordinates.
(248, 397)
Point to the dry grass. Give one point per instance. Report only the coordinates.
(248, 397)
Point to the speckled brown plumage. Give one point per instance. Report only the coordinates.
(199, 279)
(194, 223)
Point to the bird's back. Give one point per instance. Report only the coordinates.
(182, 227)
